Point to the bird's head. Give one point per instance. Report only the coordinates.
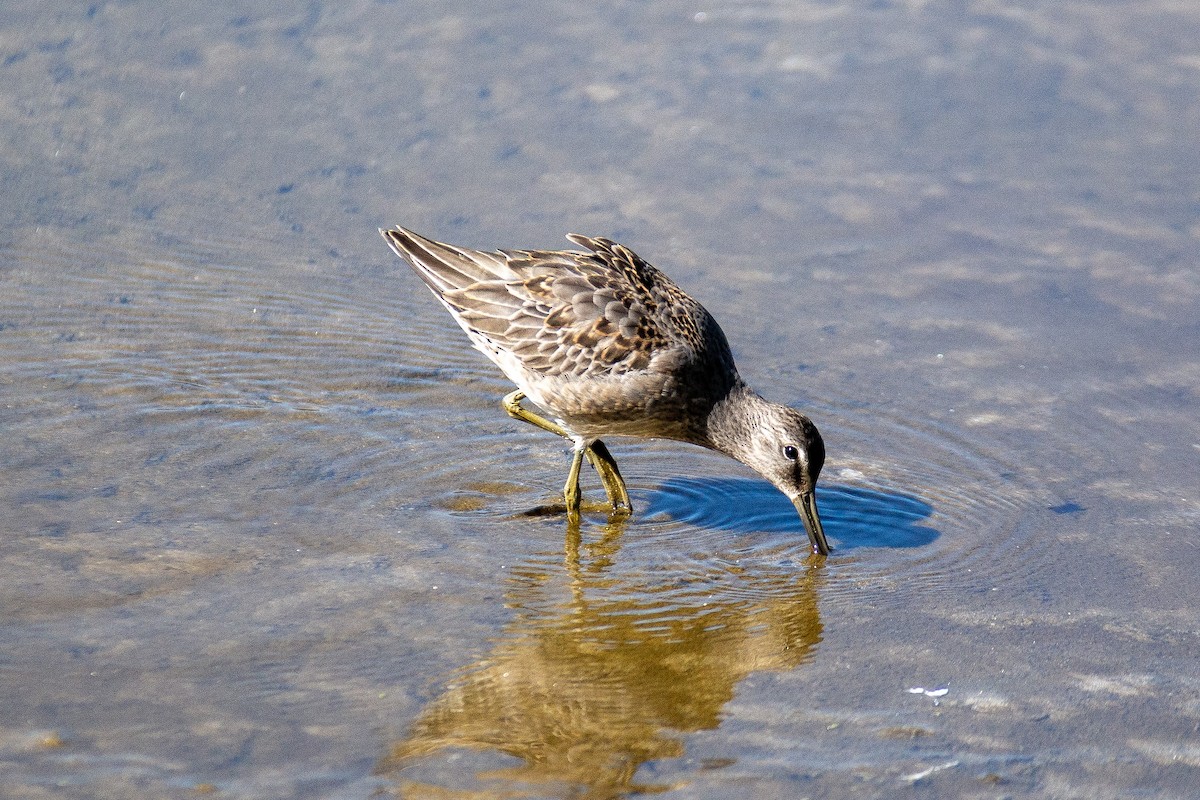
(783, 446)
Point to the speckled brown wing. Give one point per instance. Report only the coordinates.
(567, 314)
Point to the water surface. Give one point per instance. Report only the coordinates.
(268, 533)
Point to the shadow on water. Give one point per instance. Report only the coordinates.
(853, 516)
(600, 673)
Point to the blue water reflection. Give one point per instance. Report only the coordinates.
(853, 516)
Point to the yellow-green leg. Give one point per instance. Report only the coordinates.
(571, 493)
(597, 455)
(610, 477)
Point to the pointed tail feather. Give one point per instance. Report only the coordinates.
(444, 267)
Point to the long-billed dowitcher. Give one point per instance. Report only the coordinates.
(610, 346)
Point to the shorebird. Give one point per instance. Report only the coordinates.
(610, 346)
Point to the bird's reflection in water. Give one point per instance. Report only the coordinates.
(600, 673)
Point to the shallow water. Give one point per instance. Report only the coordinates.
(268, 533)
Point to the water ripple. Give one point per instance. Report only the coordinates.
(862, 516)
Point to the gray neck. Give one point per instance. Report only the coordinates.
(732, 420)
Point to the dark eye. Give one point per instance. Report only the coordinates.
(790, 452)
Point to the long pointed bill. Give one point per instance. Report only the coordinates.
(806, 504)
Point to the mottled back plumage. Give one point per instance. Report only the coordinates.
(560, 322)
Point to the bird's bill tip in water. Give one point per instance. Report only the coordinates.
(806, 504)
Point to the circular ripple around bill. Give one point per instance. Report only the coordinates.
(904, 500)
